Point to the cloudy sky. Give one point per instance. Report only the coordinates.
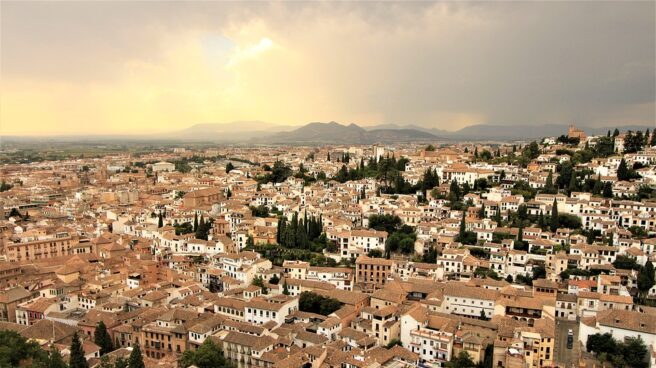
(136, 67)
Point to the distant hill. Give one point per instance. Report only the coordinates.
(336, 133)
(507, 132)
(332, 132)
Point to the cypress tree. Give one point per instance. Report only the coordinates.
(77, 359)
(301, 236)
(541, 222)
(572, 183)
(520, 234)
(481, 212)
(548, 185)
(554, 216)
(285, 289)
(292, 232)
(281, 230)
(136, 360)
(646, 278)
(160, 221)
(306, 224)
(623, 171)
(102, 339)
(608, 190)
(195, 221)
(463, 228)
(598, 186)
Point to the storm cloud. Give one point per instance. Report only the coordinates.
(124, 67)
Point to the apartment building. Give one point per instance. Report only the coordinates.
(372, 273)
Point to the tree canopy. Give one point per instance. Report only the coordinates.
(208, 355)
(315, 303)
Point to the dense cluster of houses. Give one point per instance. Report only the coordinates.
(120, 240)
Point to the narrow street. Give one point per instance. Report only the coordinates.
(565, 357)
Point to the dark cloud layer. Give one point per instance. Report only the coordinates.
(435, 64)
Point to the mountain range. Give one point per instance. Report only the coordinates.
(336, 133)
(347, 134)
(259, 132)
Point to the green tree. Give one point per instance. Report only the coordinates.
(105, 362)
(375, 253)
(430, 256)
(281, 229)
(102, 339)
(463, 228)
(532, 151)
(633, 142)
(77, 359)
(634, 352)
(565, 175)
(392, 343)
(407, 245)
(625, 263)
(315, 303)
(631, 352)
(605, 147)
(454, 192)
(229, 167)
(15, 349)
(120, 362)
(462, 360)
(554, 216)
(136, 359)
(601, 343)
(573, 183)
(55, 359)
(258, 281)
(598, 186)
(208, 355)
(285, 288)
(541, 222)
(608, 190)
(386, 222)
(5, 187)
(549, 185)
(160, 221)
(646, 278)
(623, 171)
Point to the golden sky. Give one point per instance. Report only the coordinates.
(151, 67)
